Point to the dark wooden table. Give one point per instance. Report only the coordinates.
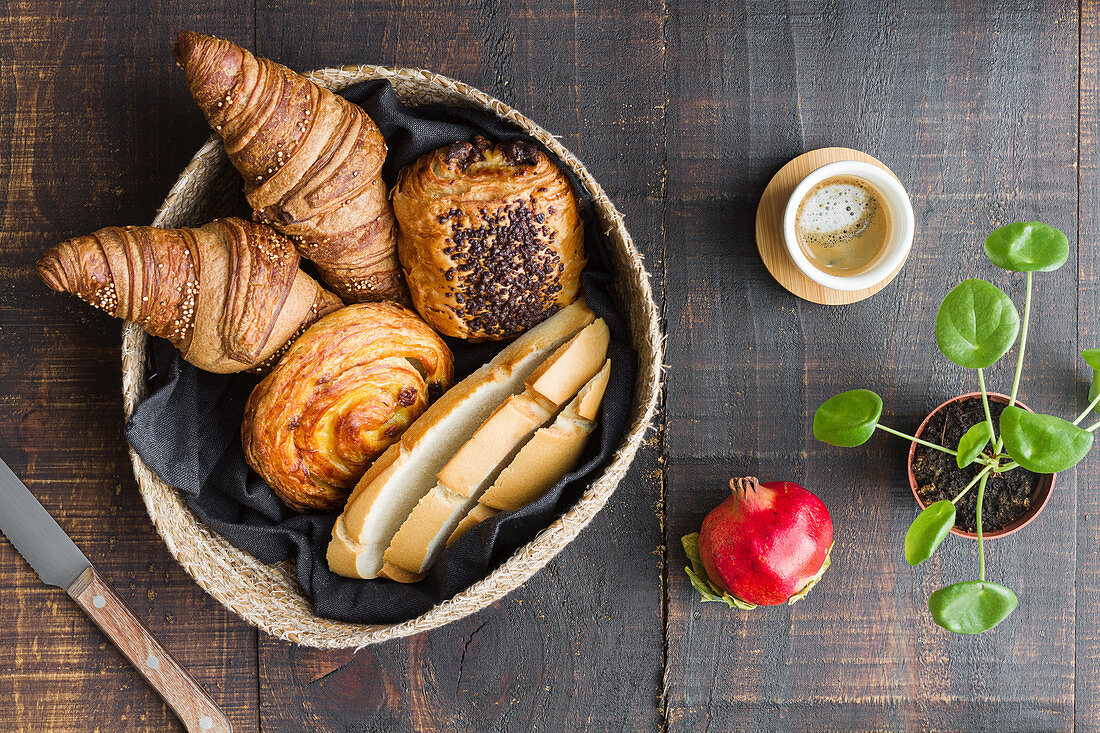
(987, 111)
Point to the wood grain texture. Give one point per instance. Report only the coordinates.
(982, 134)
(1087, 688)
(578, 647)
(683, 111)
(149, 658)
(93, 131)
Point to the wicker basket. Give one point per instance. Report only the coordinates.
(268, 596)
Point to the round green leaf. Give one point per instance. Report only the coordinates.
(1027, 246)
(1043, 443)
(928, 530)
(1092, 358)
(971, 607)
(848, 419)
(972, 443)
(977, 323)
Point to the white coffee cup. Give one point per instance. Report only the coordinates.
(901, 232)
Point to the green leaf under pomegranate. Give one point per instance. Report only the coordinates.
(697, 574)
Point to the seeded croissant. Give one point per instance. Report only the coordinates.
(228, 295)
(311, 163)
(345, 391)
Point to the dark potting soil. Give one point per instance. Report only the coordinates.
(1007, 495)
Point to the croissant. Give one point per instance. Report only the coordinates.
(311, 163)
(229, 295)
(489, 236)
(344, 392)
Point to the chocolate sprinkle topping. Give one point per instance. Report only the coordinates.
(509, 276)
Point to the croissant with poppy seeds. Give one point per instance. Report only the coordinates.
(345, 391)
(229, 295)
(311, 163)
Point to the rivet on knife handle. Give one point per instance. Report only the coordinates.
(175, 686)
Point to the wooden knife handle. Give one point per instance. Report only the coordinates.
(175, 686)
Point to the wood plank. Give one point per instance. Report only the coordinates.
(1088, 302)
(580, 646)
(974, 108)
(95, 125)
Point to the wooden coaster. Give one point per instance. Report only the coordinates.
(769, 228)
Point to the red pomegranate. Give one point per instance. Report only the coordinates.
(767, 542)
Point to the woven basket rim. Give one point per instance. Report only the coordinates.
(268, 596)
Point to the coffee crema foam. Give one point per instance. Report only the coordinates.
(842, 225)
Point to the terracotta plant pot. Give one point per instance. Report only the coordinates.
(1038, 499)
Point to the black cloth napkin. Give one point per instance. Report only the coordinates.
(188, 428)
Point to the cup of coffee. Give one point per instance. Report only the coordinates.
(848, 225)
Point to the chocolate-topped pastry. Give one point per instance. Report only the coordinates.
(489, 237)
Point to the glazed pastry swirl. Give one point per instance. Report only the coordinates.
(311, 163)
(346, 390)
(229, 295)
(490, 238)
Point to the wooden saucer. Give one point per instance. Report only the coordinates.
(769, 228)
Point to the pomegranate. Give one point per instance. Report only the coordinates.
(766, 544)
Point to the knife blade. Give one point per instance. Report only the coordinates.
(59, 562)
(36, 535)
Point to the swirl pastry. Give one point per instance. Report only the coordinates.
(229, 295)
(311, 162)
(345, 391)
(489, 237)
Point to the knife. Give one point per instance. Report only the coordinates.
(59, 562)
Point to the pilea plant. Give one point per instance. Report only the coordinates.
(976, 325)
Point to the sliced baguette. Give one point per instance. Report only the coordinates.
(406, 472)
(512, 424)
(559, 377)
(475, 465)
(553, 452)
(478, 514)
(344, 552)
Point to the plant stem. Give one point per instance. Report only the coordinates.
(1020, 356)
(1095, 401)
(1007, 467)
(1023, 343)
(1092, 427)
(981, 547)
(981, 474)
(985, 404)
(917, 440)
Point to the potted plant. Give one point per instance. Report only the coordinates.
(989, 444)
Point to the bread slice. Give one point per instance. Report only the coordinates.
(559, 377)
(553, 452)
(344, 552)
(512, 424)
(423, 535)
(478, 514)
(406, 472)
(477, 463)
